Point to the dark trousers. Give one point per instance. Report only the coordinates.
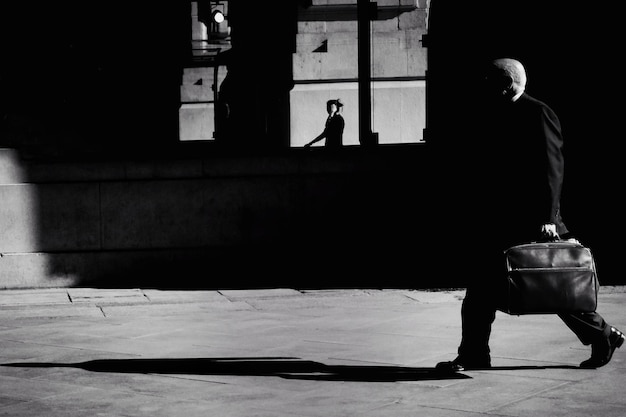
(478, 313)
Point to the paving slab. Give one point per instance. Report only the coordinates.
(16, 297)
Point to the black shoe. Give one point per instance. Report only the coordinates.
(462, 363)
(602, 352)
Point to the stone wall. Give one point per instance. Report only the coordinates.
(212, 222)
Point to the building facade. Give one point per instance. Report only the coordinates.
(114, 171)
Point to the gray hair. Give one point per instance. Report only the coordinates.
(514, 70)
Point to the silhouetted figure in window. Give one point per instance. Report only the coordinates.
(516, 177)
(224, 105)
(333, 131)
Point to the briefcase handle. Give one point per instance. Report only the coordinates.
(557, 239)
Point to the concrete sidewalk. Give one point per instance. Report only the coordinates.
(282, 352)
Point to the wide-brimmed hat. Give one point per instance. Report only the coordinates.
(336, 101)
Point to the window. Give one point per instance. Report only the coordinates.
(203, 75)
(326, 66)
(324, 62)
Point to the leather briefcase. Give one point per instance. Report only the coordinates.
(549, 277)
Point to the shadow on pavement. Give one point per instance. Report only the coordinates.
(521, 368)
(284, 367)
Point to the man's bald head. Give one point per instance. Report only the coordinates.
(506, 77)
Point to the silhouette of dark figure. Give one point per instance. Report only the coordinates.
(333, 129)
(516, 175)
